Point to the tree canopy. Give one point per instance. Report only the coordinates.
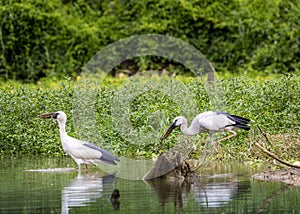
(45, 38)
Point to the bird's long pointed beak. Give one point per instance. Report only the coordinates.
(47, 115)
(168, 132)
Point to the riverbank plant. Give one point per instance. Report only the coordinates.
(129, 121)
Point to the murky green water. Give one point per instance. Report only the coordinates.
(230, 190)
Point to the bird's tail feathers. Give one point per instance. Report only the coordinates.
(108, 158)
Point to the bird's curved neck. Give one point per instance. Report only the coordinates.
(62, 128)
(191, 130)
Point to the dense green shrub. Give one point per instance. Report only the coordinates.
(274, 105)
(45, 38)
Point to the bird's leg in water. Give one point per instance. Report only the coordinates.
(230, 136)
(86, 167)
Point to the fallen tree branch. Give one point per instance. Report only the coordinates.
(275, 157)
(271, 154)
(264, 134)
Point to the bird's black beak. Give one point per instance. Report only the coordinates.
(168, 132)
(48, 115)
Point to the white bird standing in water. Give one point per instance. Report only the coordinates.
(210, 122)
(82, 152)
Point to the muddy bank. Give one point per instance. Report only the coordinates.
(288, 176)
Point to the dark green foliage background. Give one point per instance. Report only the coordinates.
(56, 38)
(274, 105)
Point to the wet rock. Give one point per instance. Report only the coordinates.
(114, 199)
(115, 195)
(170, 166)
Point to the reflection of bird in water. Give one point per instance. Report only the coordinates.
(114, 199)
(220, 191)
(83, 190)
(82, 152)
(215, 194)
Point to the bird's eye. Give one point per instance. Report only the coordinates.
(55, 115)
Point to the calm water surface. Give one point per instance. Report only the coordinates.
(221, 189)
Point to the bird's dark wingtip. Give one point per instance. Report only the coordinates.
(242, 126)
(239, 119)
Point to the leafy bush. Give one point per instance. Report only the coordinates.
(22, 133)
(272, 104)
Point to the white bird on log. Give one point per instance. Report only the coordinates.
(209, 122)
(82, 152)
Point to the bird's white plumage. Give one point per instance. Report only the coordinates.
(82, 152)
(209, 122)
(213, 122)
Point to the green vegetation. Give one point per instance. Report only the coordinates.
(272, 104)
(46, 43)
(57, 38)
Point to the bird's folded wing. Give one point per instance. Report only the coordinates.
(215, 122)
(81, 151)
(106, 156)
